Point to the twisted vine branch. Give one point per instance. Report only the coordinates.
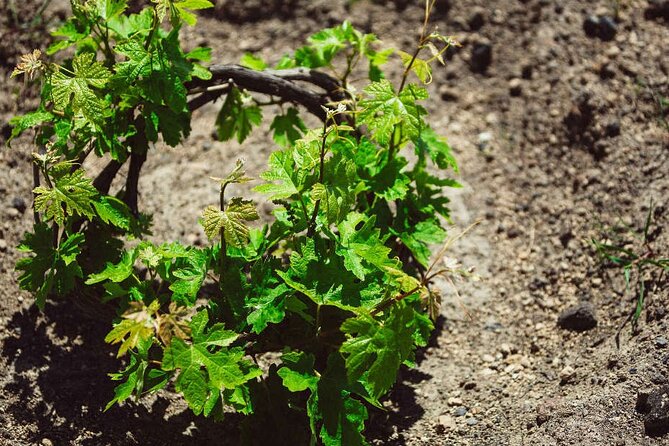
(288, 86)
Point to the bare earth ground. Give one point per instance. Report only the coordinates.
(544, 167)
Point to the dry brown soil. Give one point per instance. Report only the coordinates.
(559, 140)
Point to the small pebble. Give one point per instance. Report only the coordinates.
(591, 25)
(481, 57)
(515, 87)
(607, 28)
(469, 385)
(460, 411)
(3, 245)
(454, 401)
(19, 204)
(661, 342)
(484, 140)
(567, 374)
(472, 421)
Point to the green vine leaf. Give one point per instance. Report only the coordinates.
(113, 211)
(49, 269)
(204, 375)
(382, 109)
(281, 170)
(237, 116)
(137, 324)
(76, 91)
(374, 352)
(178, 10)
(231, 221)
(421, 68)
(288, 128)
(336, 416)
(72, 194)
(22, 123)
(297, 371)
(428, 142)
(138, 376)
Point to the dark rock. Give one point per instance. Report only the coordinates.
(526, 71)
(441, 8)
(6, 131)
(481, 57)
(657, 9)
(566, 236)
(448, 94)
(591, 26)
(655, 405)
(607, 71)
(613, 129)
(469, 385)
(580, 117)
(607, 28)
(580, 317)
(19, 204)
(460, 411)
(477, 20)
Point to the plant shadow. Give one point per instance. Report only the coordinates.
(59, 387)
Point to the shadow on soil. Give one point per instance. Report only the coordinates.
(61, 364)
(60, 384)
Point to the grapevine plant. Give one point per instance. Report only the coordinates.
(301, 323)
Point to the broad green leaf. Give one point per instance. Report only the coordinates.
(288, 128)
(203, 54)
(136, 325)
(428, 142)
(421, 68)
(113, 211)
(108, 9)
(48, 269)
(327, 43)
(237, 116)
(267, 306)
(140, 60)
(382, 109)
(325, 280)
(281, 170)
(231, 221)
(177, 10)
(71, 194)
(76, 91)
(190, 274)
(115, 273)
(253, 62)
(22, 123)
(362, 247)
(418, 237)
(391, 182)
(374, 351)
(335, 415)
(297, 371)
(205, 372)
(138, 376)
(72, 32)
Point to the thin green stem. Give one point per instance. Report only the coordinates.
(321, 177)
